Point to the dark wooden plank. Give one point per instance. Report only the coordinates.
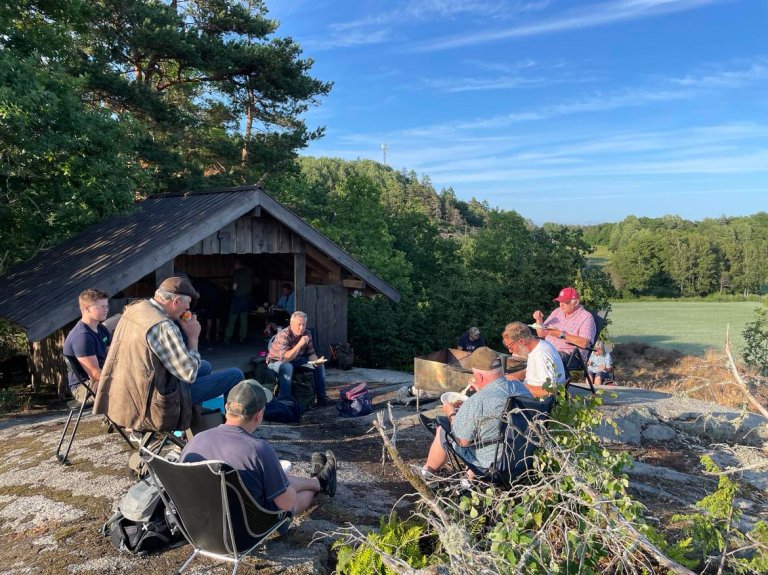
(243, 235)
(164, 271)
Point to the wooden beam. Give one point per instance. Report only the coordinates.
(299, 278)
(353, 284)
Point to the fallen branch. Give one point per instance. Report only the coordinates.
(739, 380)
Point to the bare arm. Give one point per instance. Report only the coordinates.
(90, 364)
(295, 351)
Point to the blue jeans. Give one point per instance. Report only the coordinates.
(209, 385)
(284, 371)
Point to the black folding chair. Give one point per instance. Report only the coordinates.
(73, 366)
(575, 361)
(214, 510)
(514, 445)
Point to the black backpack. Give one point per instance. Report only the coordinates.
(342, 355)
(142, 525)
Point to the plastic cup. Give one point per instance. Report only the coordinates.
(286, 465)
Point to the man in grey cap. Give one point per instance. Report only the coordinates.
(255, 459)
(477, 419)
(152, 374)
(471, 340)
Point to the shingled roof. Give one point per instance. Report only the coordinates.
(40, 295)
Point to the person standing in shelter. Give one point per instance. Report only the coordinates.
(89, 340)
(471, 340)
(240, 305)
(255, 459)
(476, 421)
(291, 348)
(543, 363)
(151, 377)
(570, 324)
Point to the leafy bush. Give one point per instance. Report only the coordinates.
(755, 335)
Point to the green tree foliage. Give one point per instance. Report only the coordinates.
(671, 256)
(105, 100)
(755, 334)
(63, 163)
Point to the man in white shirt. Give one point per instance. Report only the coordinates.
(544, 364)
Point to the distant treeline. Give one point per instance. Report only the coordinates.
(671, 257)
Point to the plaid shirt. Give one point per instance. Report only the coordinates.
(285, 341)
(165, 341)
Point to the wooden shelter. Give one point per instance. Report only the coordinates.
(197, 233)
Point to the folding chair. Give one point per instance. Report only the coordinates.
(214, 510)
(514, 445)
(576, 362)
(74, 367)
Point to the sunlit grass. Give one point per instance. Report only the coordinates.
(688, 327)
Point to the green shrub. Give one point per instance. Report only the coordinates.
(755, 352)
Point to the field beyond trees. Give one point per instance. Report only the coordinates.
(688, 327)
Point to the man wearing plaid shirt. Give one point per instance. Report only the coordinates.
(149, 353)
(292, 348)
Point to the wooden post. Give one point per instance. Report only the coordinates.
(299, 276)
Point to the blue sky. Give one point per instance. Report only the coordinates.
(565, 111)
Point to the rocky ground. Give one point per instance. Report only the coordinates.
(50, 515)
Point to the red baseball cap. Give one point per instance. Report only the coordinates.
(567, 294)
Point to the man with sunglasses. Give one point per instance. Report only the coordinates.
(150, 378)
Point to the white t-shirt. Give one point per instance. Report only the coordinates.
(544, 363)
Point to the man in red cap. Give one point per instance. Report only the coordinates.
(570, 324)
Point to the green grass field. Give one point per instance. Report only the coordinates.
(688, 327)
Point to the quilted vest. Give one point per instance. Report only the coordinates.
(135, 389)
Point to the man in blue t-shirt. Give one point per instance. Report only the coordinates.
(471, 340)
(255, 459)
(89, 340)
(477, 419)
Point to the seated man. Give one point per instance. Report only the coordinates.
(292, 348)
(544, 364)
(471, 340)
(255, 459)
(477, 419)
(569, 324)
(89, 340)
(149, 357)
(286, 300)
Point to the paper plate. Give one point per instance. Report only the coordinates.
(537, 326)
(286, 465)
(452, 397)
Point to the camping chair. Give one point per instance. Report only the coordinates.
(213, 509)
(576, 362)
(514, 444)
(74, 367)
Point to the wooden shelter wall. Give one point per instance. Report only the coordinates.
(249, 234)
(326, 308)
(46, 364)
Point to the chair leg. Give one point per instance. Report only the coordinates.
(188, 561)
(64, 457)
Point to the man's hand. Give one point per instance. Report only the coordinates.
(304, 340)
(538, 316)
(449, 410)
(191, 328)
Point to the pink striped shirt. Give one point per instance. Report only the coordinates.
(580, 323)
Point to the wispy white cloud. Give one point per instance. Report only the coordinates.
(583, 17)
(349, 39)
(751, 72)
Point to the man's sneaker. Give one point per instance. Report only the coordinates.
(426, 475)
(324, 402)
(318, 462)
(429, 423)
(327, 475)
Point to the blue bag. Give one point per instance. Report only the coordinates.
(283, 411)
